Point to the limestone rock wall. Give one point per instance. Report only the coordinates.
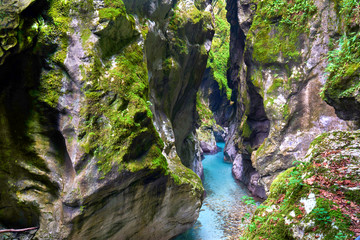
(278, 65)
(81, 151)
(238, 142)
(177, 55)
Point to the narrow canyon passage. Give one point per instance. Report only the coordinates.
(223, 207)
(107, 108)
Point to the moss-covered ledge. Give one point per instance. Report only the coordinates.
(317, 199)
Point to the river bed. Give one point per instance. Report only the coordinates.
(224, 213)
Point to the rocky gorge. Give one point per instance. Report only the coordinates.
(108, 106)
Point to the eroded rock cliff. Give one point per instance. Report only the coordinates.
(80, 154)
(183, 47)
(296, 72)
(279, 57)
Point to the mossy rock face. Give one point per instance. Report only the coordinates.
(317, 199)
(32, 160)
(220, 52)
(208, 126)
(177, 53)
(277, 27)
(281, 76)
(120, 32)
(80, 144)
(213, 103)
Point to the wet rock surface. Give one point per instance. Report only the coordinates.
(238, 145)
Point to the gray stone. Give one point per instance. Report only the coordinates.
(276, 123)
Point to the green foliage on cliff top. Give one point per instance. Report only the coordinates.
(220, 53)
(293, 13)
(344, 58)
(277, 27)
(318, 197)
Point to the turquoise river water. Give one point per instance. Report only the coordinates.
(223, 209)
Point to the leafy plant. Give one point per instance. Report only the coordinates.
(293, 13)
(249, 200)
(322, 215)
(246, 216)
(340, 236)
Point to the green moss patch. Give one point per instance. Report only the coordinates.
(182, 16)
(277, 27)
(183, 20)
(246, 130)
(118, 34)
(183, 175)
(205, 114)
(53, 42)
(50, 86)
(112, 10)
(118, 127)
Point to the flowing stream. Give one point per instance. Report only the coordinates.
(223, 210)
